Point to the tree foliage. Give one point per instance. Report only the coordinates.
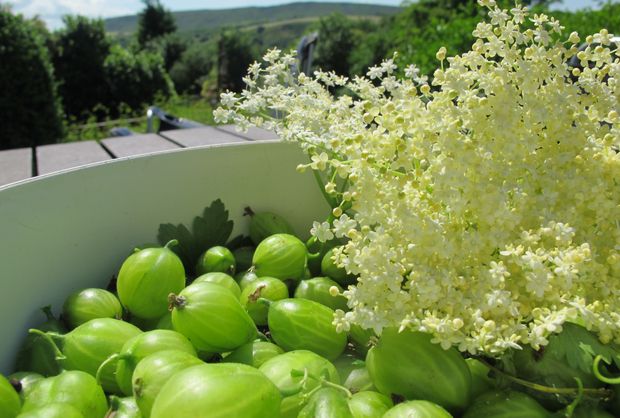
(424, 27)
(235, 54)
(587, 22)
(350, 47)
(79, 53)
(372, 48)
(336, 40)
(154, 21)
(29, 106)
(171, 48)
(134, 80)
(98, 76)
(195, 64)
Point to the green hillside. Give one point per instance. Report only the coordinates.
(203, 22)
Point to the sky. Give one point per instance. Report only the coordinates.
(51, 11)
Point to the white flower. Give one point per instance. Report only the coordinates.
(475, 211)
(319, 162)
(322, 231)
(343, 225)
(228, 99)
(374, 72)
(221, 115)
(441, 53)
(412, 71)
(388, 66)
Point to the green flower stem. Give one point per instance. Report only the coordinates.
(330, 200)
(323, 382)
(573, 392)
(570, 409)
(327, 383)
(599, 375)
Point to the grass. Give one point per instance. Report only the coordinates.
(194, 108)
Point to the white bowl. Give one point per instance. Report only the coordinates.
(73, 229)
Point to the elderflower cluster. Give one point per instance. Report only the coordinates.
(483, 208)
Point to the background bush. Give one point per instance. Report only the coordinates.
(79, 52)
(336, 41)
(97, 77)
(195, 64)
(30, 112)
(153, 22)
(235, 54)
(134, 80)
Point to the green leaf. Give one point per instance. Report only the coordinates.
(578, 347)
(211, 229)
(186, 249)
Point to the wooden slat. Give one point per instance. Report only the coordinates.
(253, 133)
(57, 157)
(127, 146)
(201, 136)
(15, 164)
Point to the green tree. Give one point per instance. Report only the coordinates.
(194, 66)
(154, 21)
(235, 54)
(79, 54)
(587, 22)
(29, 106)
(336, 41)
(172, 50)
(135, 80)
(171, 47)
(373, 47)
(425, 26)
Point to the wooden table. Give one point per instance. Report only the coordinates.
(23, 163)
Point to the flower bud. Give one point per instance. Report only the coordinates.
(574, 38)
(441, 54)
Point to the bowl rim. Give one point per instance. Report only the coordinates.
(133, 157)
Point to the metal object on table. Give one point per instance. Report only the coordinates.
(121, 131)
(305, 51)
(167, 121)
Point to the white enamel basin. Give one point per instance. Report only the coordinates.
(73, 229)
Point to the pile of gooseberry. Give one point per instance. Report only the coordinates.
(251, 334)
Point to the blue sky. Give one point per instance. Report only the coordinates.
(51, 11)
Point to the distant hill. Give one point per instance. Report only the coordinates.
(204, 22)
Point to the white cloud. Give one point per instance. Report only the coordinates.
(51, 11)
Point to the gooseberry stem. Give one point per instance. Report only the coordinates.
(47, 336)
(247, 211)
(115, 404)
(175, 301)
(254, 296)
(171, 243)
(103, 365)
(574, 392)
(47, 310)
